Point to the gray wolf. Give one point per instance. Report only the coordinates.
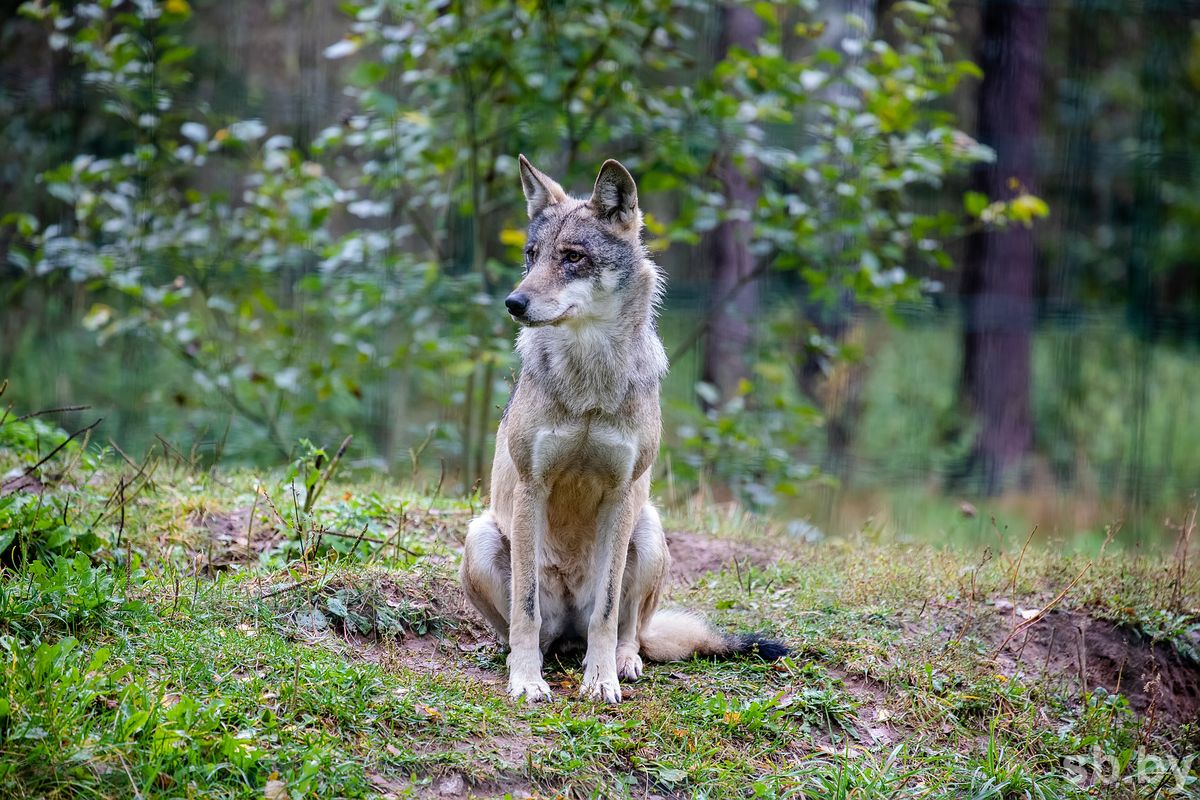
(571, 547)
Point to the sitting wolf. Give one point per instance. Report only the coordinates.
(571, 547)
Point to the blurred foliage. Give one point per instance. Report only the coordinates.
(910, 427)
(36, 522)
(300, 283)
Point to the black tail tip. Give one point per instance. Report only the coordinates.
(754, 644)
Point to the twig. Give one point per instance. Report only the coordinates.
(1159, 787)
(299, 528)
(250, 525)
(437, 491)
(393, 540)
(1182, 546)
(1081, 654)
(288, 588)
(271, 505)
(414, 454)
(123, 454)
(121, 525)
(1043, 612)
(51, 454)
(1024, 642)
(124, 499)
(358, 537)
(1012, 586)
(175, 451)
(33, 414)
(1046, 661)
(361, 536)
(128, 548)
(311, 497)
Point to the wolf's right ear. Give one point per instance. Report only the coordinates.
(615, 196)
(540, 190)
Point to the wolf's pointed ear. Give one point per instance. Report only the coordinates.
(540, 190)
(615, 195)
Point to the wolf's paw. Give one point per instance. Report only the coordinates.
(606, 689)
(534, 690)
(629, 665)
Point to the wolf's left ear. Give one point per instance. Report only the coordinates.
(615, 195)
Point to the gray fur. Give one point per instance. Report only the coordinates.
(571, 474)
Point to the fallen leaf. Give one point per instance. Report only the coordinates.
(276, 789)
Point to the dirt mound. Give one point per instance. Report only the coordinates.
(421, 620)
(1069, 645)
(693, 554)
(20, 482)
(228, 537)
(418, 620)
(232, 538)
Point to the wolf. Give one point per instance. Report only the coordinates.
(571, 548)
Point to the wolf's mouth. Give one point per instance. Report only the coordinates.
(542, 323)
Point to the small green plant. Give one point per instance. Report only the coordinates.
(42, 507)
(69, 596)
(1004, 772)
(37, 526)
(753, 715)
(368, 614)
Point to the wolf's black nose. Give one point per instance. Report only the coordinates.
(517, 302)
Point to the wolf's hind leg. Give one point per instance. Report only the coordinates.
(486, 572)
(645, 577)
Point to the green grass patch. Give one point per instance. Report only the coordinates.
(215, 639)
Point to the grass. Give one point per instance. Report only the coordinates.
(193, 634)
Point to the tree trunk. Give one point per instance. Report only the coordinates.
(734, 292)
(998, 279)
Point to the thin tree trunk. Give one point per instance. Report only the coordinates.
(998, 279)
(730, 332)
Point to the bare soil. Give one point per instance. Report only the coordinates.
(693, 554)
(1157, 679)
(230, 538)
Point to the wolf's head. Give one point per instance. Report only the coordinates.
(583, 258)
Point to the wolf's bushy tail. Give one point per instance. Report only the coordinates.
(676, 635)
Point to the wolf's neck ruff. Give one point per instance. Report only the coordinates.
(593, 363)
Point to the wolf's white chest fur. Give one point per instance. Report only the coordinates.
(585, 449)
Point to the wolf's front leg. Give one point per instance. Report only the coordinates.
(525, 615)
(614, 528)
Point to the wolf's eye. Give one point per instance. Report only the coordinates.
(573, 256)
(530, 252)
